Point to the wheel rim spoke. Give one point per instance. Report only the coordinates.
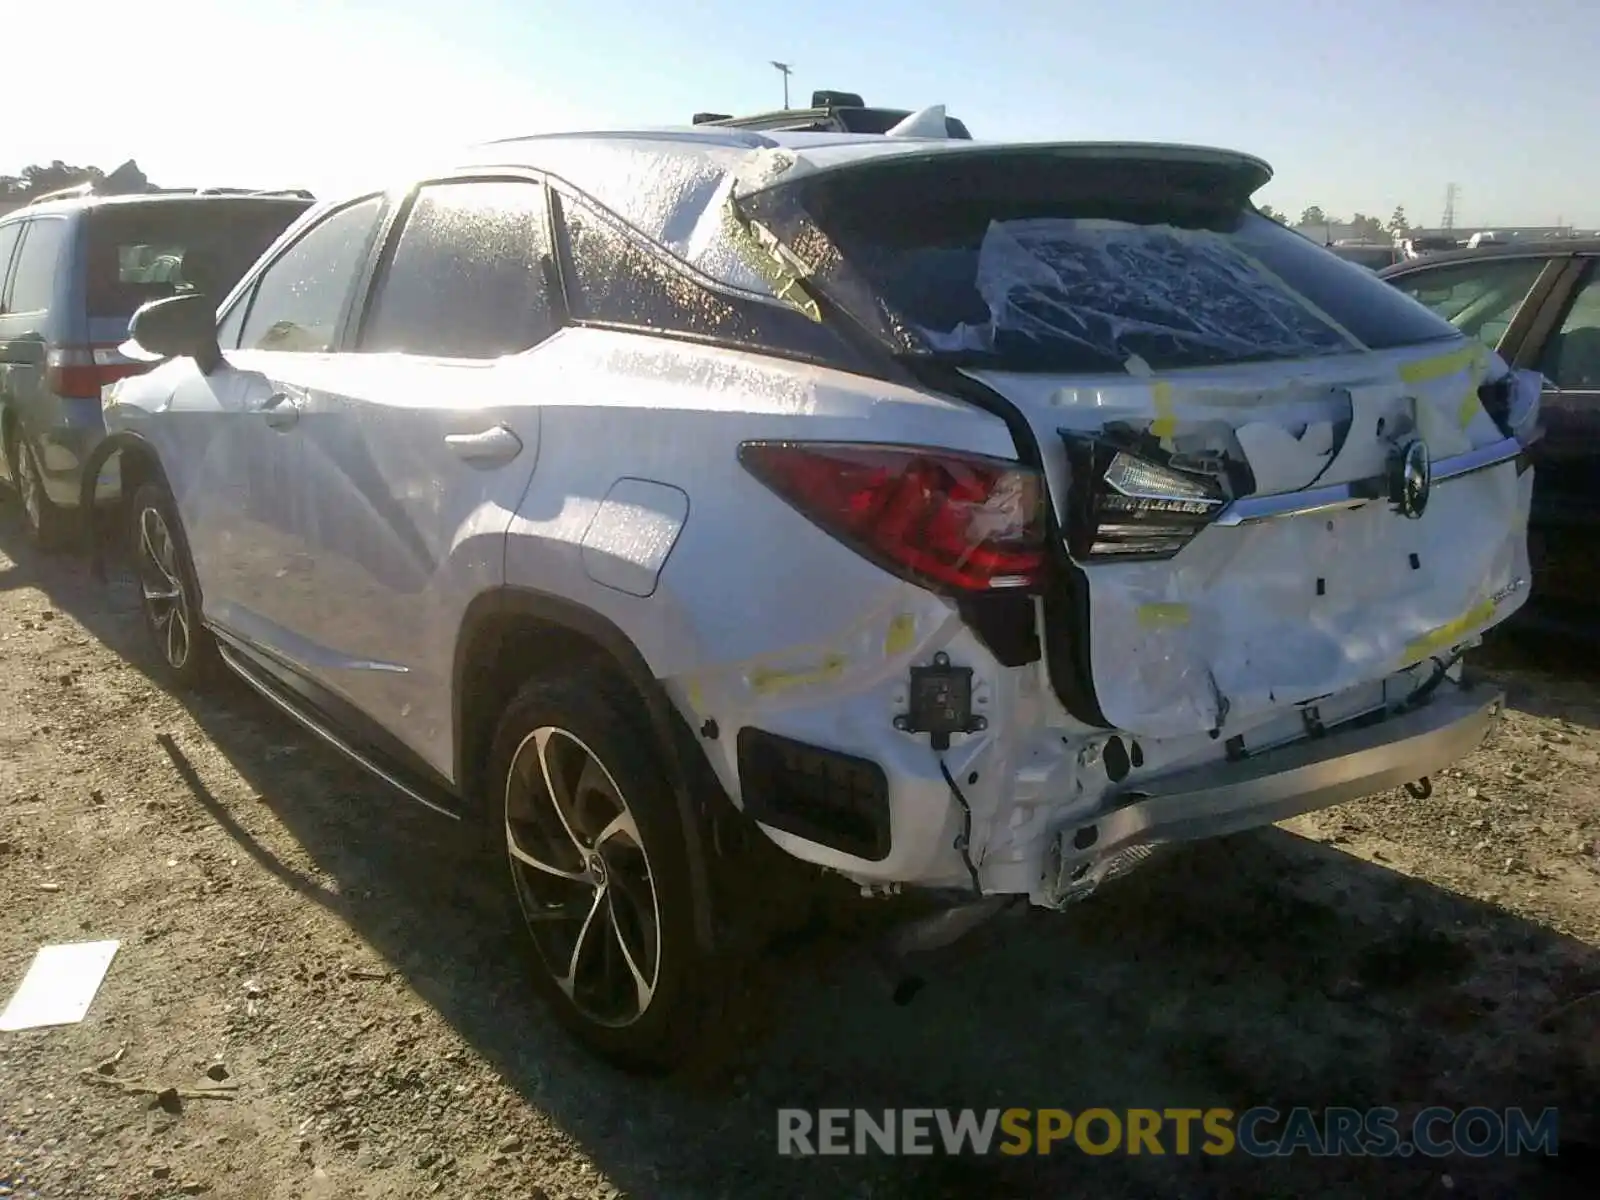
(528, 859)
(644, 988)
(568, 981)
(561, 795)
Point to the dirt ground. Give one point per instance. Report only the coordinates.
(340, 959)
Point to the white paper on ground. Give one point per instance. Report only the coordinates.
(59, 987)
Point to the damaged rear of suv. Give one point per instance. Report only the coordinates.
(1276, 501)
(960, 517)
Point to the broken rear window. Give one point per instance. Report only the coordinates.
(1033, 260)
(142, 252)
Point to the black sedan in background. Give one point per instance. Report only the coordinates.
(1538, 305)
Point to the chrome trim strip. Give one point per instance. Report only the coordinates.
(1249, 509)
(338, 743)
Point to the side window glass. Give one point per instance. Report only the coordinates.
(34, 278)
(301, 296)
(1571, 358)
(614, 280)
(468, 276)
(1480, 299)
(232, 325)
(9, 236)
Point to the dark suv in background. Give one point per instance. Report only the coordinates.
(72, 271)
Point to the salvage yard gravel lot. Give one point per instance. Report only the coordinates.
(324, 976)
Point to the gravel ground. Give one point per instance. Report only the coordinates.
(324, 975)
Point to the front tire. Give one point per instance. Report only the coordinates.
(168, 596)
(599, 872)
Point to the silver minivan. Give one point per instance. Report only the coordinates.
(72, 272)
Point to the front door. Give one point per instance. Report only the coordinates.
(250, 478)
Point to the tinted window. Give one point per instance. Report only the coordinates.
(229, 328)
(1571, 357)
(34, 278)
(8, 243)
(1480, 299)
(613, 279)
(140, 252)
(467, 278)
(1037, 260)
(300, 298)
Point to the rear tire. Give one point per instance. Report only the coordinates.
(599, 873)
(50, 526)
(169, 598)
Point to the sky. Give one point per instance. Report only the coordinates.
(1359, 105)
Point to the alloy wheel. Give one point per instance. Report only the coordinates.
(583, 878)
(161, 584)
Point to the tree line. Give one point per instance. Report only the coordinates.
(1361, 225)
(40, 179)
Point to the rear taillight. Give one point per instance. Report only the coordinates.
(1126, 507)
(79, 372)
(952, 522)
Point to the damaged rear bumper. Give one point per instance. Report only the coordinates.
(1344, 764)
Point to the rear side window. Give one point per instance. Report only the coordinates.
(142, 252)
(614, 279)
(9, 235)
(1480, 299)
(1033, 260)
(33, 280)
(300, 298)
(468, 277)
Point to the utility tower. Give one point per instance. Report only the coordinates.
(785, 69)
(1452, 193)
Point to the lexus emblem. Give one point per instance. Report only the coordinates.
(1411, 479)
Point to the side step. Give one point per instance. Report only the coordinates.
(260, 680)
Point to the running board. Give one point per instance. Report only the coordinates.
(278, 697)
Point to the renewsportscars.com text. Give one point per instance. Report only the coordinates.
(1258, 1132)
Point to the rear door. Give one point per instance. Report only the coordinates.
(420, 440)
(1221, 410)
(1565, 347)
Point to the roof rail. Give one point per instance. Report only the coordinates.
(85, 188)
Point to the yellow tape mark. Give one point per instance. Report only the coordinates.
(697, 700)
(1441, 366)
(902, 635)
(1163, 616)
(766, 680)
(1469, 408)
(1454, 631)
(1166, 422)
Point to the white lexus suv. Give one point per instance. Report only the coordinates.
(950, 515)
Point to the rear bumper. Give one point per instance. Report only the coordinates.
(1223, 798)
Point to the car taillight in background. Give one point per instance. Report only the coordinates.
(955, 523)
(79, 372)
(1126, 508)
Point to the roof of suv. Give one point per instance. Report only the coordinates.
(72, 204)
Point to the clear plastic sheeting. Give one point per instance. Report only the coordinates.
(1137, 294)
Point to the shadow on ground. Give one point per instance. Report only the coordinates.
(1263, 970)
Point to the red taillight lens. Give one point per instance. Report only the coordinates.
(79, 372)
(949, 521)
